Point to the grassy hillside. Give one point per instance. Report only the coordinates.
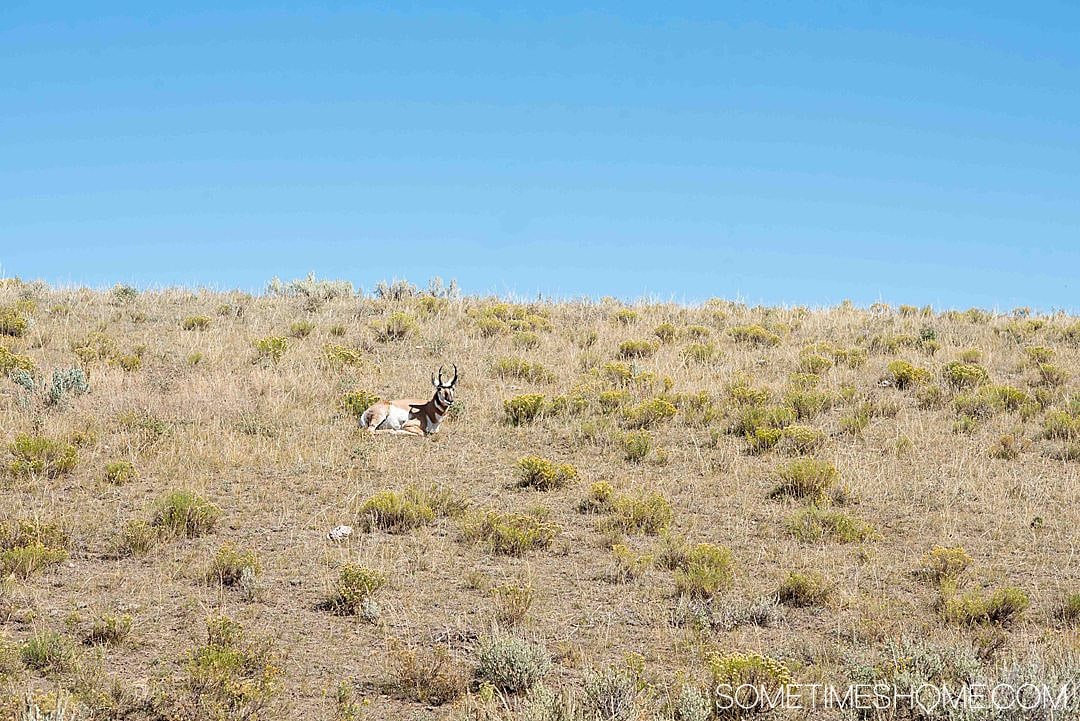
(724, 481)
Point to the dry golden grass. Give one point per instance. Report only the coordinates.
(247, 412)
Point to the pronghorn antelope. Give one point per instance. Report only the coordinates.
(412, 416)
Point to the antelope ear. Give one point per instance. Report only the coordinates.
(417, 406)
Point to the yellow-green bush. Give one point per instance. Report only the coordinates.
(356, 402)
(509, 534)
(523, 409)
(903, 374)
(395, 512)
(525, 339)
(398, 326)
(10, 362)
(808, 478)
(271, 348)
(1051, 376)
(754, 335)
(339, 356)
(571, 404)
(625, 316)
(636, 349)
(818, 524)
(629, 565)
(648, 513)
(666, 332)
(802, 589)
(636, 445)
(544, 475)
(998, 607)
(510, 367)
(41, 456)
(708, 570)
(944, 563)
(355, 585)
(185, 513)
(600, 498)
(229, 564)
(12, 322)
(733, 671)
(196, 322)
(814, 364)
(649, 413)
(119, 472)
(964, 375)
(612, 400)
(700, 352)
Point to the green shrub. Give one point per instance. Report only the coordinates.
(12, 322)
(944, 563)
(742, 670)
(814, 364)
(136, 539)
(196, 322)
(612, 400)
(808, 404)
(353, 591)
(628, 565)
(119, 472)
(544, 475)
(230, 564)
(568, 405)
(804, 589)
(509, 534)
(398, 326)
(523, 409)
(905, 375)
(337, 330)
(525, 339)
(666, 332)
(1069, 610)
(964, 375)
(11, 362)
(523, 369)
(700, 352)
(999, 607)
(636, 349)
(806, 478)
(754, 335)
(817, 524)
(356, 402)
(971, 355)
(228, 677)
(395, 512)
(708, 570)
(636, 445)
(1051, 376)
(649, 413)
(697, 332)
(341, 356)
(48, 652)
(798, 439)
(625, 316)
(511, 664)
(271, 348)
(648, 513)
(600, 498)
(41, 456)
(23, 560)
(185, 513)
(1061, 425)
(512, 602)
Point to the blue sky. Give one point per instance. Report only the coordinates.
(796, 152)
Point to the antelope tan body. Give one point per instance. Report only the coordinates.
(411, 416)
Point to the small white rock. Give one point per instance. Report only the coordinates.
(339, 533)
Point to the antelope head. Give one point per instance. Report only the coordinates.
(444, 390)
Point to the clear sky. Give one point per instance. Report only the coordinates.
(798, 152)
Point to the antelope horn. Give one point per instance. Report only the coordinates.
(433, 379)
(455, 375)
(440, 376)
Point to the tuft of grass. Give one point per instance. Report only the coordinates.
(48, 652)
(396, 512)
(428, 676)
(814, 364)
(1069, 609)
(636, 348)
(625, 316)
(185, 514)
(744, 670)
(808, 478)
(628, 565)
(666, 332)
(700, 352)
(1051, 376)
(944, 563)
(301, 329)
(803, 589)
(119, 472)
(136, 538)
(512, 602)
(353, 590)
(523, 409)
(509, 534)
(999, 607)
(817, 524)
(707, 571)
(544, 475)
(41, 456)
(196, 322)
(511, 664)
(525, 339)
(600, 499)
